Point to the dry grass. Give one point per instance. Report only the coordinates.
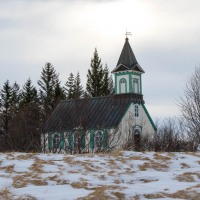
(170, 154)
(100, 193)
(161, 157)
(57, 180)
(148, 181)
(5, 194)
(27, 197)
(138, 158)
(197, 154)
(187, 177)
(119, 195)
(154, 196)
(38, 164)
(80, 185)
(116, 153)
(184, 165)
(25, 156)
(23, 180)
(184, 194)
(153, 165)
(181, 194)
(8, 169)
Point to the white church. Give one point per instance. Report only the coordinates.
(103, 123)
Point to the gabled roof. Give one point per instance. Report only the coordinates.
(91, 113)
(127, 58)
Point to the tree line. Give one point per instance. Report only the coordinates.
(23, 111)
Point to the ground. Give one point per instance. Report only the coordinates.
(119, 175)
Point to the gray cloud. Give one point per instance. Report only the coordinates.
(165, 40)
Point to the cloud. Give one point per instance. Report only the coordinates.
(165, 40)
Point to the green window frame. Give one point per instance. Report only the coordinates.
(50, 141)
(92, 139)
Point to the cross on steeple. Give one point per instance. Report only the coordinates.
(127, 33)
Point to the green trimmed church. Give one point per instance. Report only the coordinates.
(106, 122)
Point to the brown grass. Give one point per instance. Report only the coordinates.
(153, 165)
(5, 194)
(187, 177)
(184, 165)
(116, 153)
(27, 197)
(154, 196)
(181, 194)
(80, 185)
(194, 154)
(23, 180)
(148, 181)
(57, 180)
(38, 164)
(185, 194)
(119, 195)
(8, 169)
(161, 157)
(100, 193)
(25, 156)
(170, 154)
(138, 158)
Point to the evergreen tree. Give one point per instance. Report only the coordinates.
(6, 105)
(70, 87)
(105, 83)
(29, 93)
(16, 97)
(111, 85)
(59, 93)
(78, 88)
(48, 80)
(95, 76)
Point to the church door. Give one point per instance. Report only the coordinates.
(136, 139)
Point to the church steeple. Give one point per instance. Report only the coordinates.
(128, 59)
(128, 72)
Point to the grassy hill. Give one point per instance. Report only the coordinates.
(120, 175)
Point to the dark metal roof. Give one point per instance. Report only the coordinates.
(127, 58)
(91, 113)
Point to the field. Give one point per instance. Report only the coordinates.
(119, 175)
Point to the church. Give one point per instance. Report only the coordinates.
(103, 123)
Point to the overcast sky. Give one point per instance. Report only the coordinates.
(165, 40)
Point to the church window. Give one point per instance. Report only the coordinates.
(122, 85)
(56, 141)
(98, 139)
(136, 111)
(136, 85)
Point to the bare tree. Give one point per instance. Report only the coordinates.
(189, 104)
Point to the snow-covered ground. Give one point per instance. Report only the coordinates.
(120, 175)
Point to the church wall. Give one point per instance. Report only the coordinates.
(129, 121)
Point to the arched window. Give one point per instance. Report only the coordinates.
(136, 85)
(136, 111)
(122, 86)
(56, 141)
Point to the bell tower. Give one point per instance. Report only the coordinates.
(128, 73)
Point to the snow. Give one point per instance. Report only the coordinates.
(134, 175)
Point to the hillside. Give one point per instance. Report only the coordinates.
(123, 175)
